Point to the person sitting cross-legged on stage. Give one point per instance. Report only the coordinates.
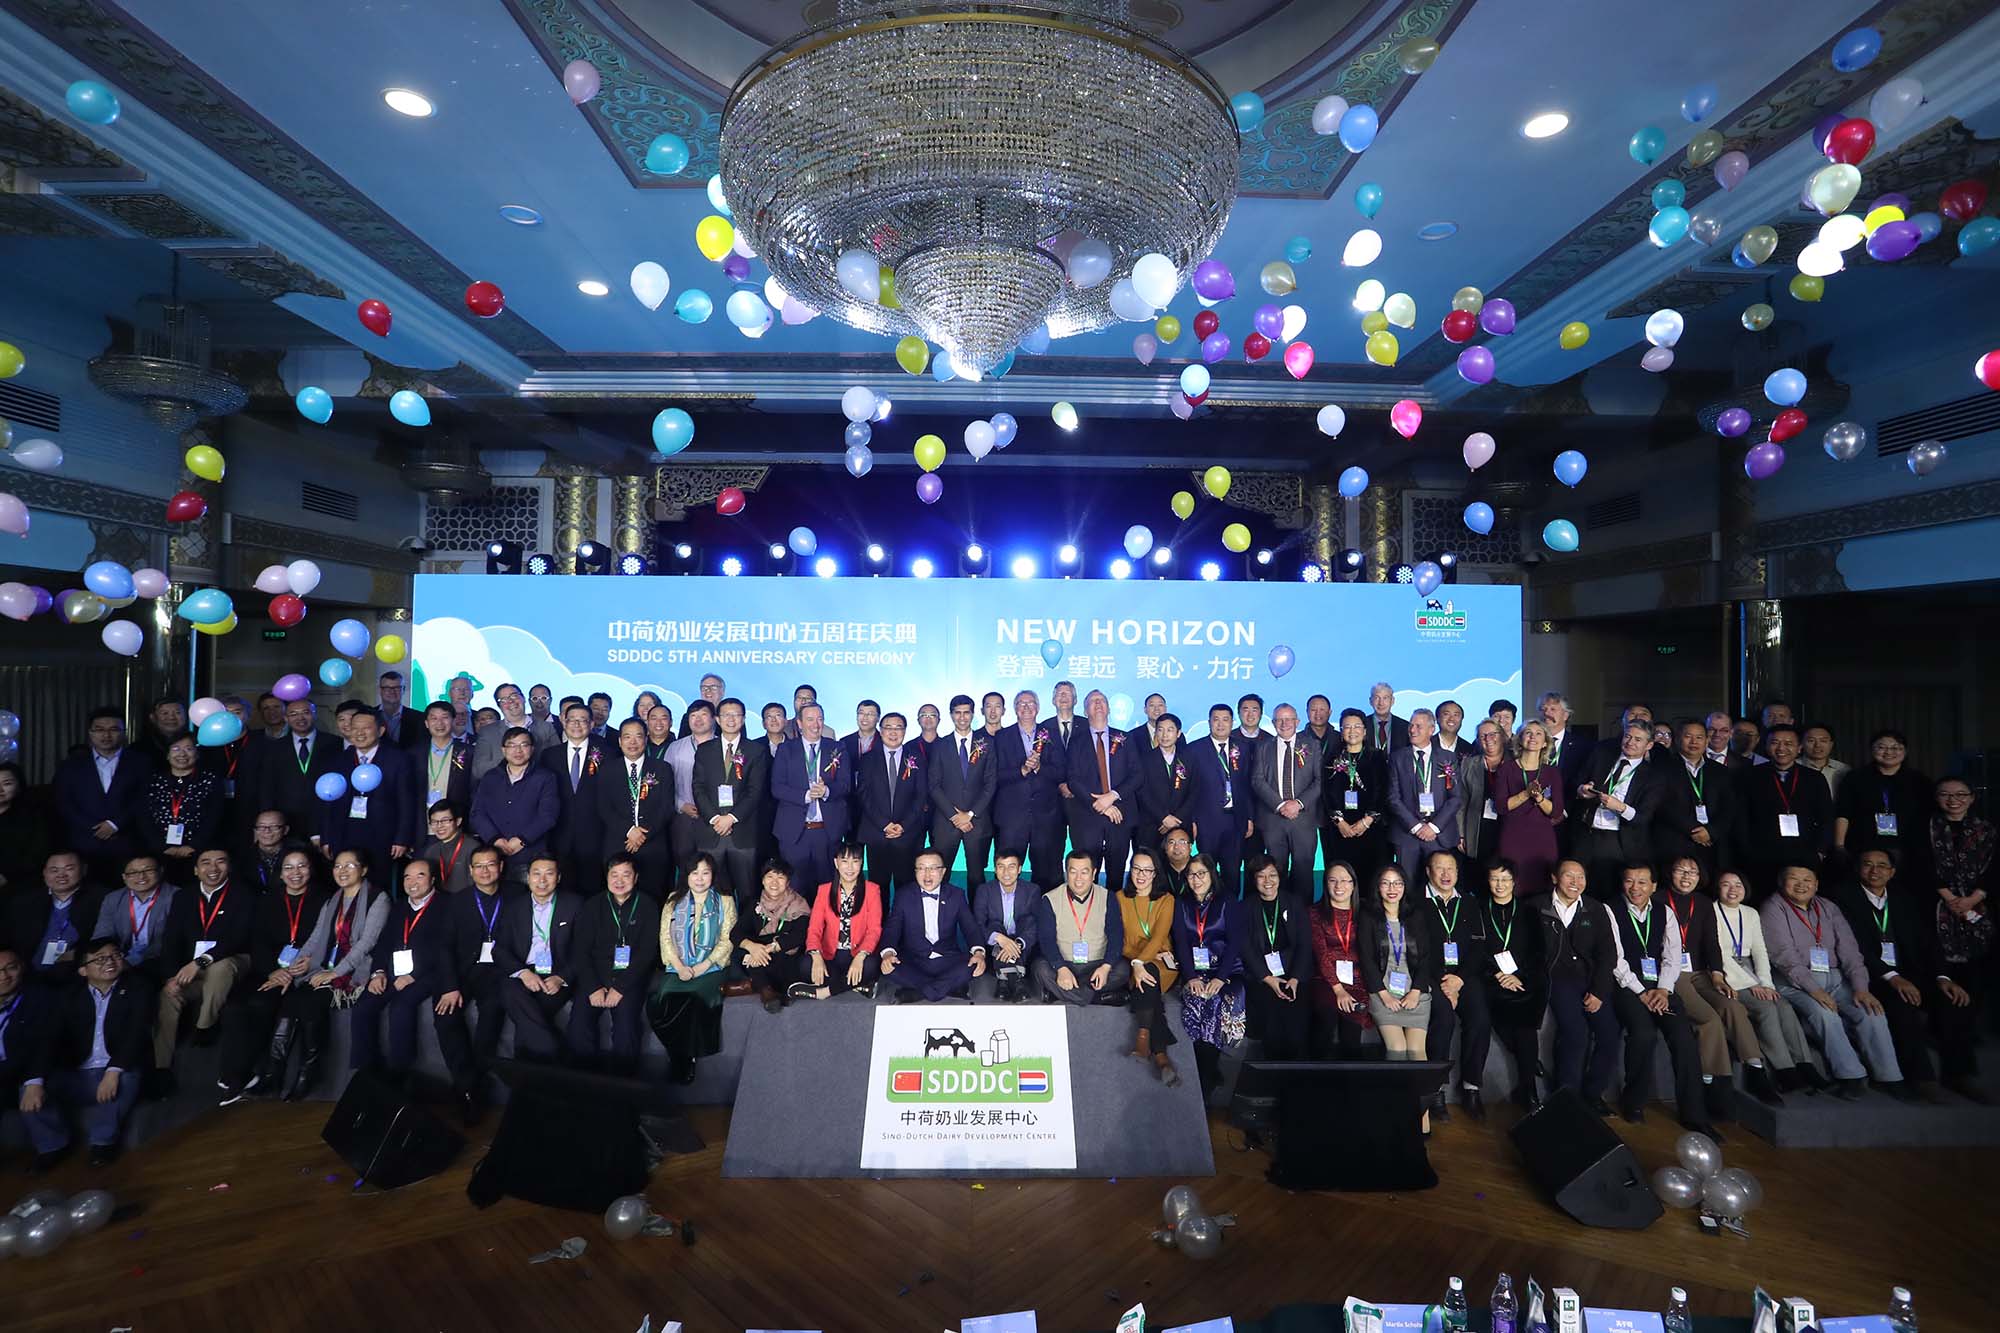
(536, 947)
(413, 966)
(1746, 966)
(1894, 928)
(771, 934)
(207, 946)
(845, 935)
(696, 932)
(1146, 918)
(1710, 1002)
(90, 1057)
(1004, 908)
(925, 954)
(1080, 940)
(1580, 946)
(268, 1017)
(1645, 973)
(617, 953)
(469, 1042)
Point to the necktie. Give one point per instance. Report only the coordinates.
(1423, 770)
(1285, 773)
(728, 758)
(812, 764)
(575, 767)
(1381, 735)
(964, 758)
(893, 764)
(635, 773)
(305, 750)
(1103, 765)
(1617, 772)
(1065, 732)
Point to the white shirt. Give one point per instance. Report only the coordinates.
(680, 758)
(933, 903)
(107, 767)
(1740, 923)
(1627, 976)
(1565, 912)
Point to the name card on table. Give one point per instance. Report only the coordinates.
(1022, 1321)
(1857, 1323)
(1222, 1325)
(1622, 1321)
(1404, 1318)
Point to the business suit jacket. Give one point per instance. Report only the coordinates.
(990, 916)
(233, 908)
(1165, 790)
(283, 787)
(597, 938)
(1674, 820)
(612, 810)
(468, 933)
(516, 936)
(788, 787)
(971, 790)
(432, 942)
(1399, 734)
(1472, 807)
(751, 792)
(456, 777)
(579, 832)
(1019, 800)
(1084, 785)
(1632, 842)
(25, 1037)
(1447, 794)
(1209, 817)
(115, 917)
(72, 1022)
(903, 925)
(1763, 797)
(409, 733)
(391, 820)
(28, 920)
(905, 802)
(82, 803)
(1305, 784)
(1573, 762)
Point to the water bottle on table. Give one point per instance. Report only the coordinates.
(1677, 1319)
(1454, 1306)
(1503, 1305)
(1902, 1313)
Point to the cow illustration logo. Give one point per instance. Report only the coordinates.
(953, 1068)
(945, 1039)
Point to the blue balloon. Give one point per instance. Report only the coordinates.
(365, 778)
(409, 408)
(1479, 517)
(802, 541)
(209, 606)
(1368, 198)
(109, 579)
(1281, 660)
(1669, 226)
(330, 787)
(673, 430)
(1929, 226)
(315, 404)
(219, 729)
(1856, 50)
(1248, 108)
(1037, 341)
(1353, 482)
(667, 155)
(1052, 652)
(1977, 236)
(716, 199)
(1358, 127)
(1559, 535)
(858, 433)
(1005, 428)
(1669, 193)
(1298, 250)
(693, 306)
(348, 637)
(335, 672)
(1646, 145)
(1740, 259)
(1005, 364)
(1194, 380)
(1570, 467)
(1784, 387)
(1428, 576)
(91, 102)
(1698, 102)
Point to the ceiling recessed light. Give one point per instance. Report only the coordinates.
(407, 102)
(1437, 231)
(521, 215)
(1546, 125)
(592, 287)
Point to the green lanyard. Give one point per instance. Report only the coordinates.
(1695, 781)
(627, 920)
(1641, 923)
(1450, 922)
(1270, 915)
(1507, 935)
(1881, 917)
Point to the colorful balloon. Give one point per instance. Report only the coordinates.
(1255, 347)
(650, 284)
(1962, 200)
(1850, 141)
(1479, 517)
(1405, 417)
(409, 407)
(1167, 329)
(205, 461)
(1789, 423)
(1368, 199)
(122, 637)
(287, 609)
(1236, 537)
(1358, 127)
(1763, 461)
(485, 299)
(1216, 481)
(1299, 359)
(1332, 419)
(1475, 365)
(913, 354)
(693, 306)
(1646, 145)
(1926, 457)
(1353, 482)
(729, 501)
(667, 155)
(1856, 49)
(1559, 535)
(1570, 467)
(1845, 440)
(1731, 168)
(1987, 370)
(1327, 113)
(314, 404)
(858, 460)
(223, 728)
(334, 673)
(1477, 450)
(1138, 540)
(1248, 109)
(1459, 326)
(91, 102)
(1182, 504)
(1784, 386)
(186, 507)
(39, 455)
(207, 606)
(1698, 101)
(1497, 317)
(1381, 348)
(1806, 287)
(1573, 335)
(581, 81)
(375, 317)
(1669, 193)
(929, 452)
(714, 236)
(1732, 422)
(302, 576)
(1668, 227)
(1704, 147)
(1277, 278)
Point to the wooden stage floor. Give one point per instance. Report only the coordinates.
(285, 1248)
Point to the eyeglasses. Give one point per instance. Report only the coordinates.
(1954, 796)
(148, 873)
(105, 960)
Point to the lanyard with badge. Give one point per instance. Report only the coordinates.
(1649, 966)
(1450, 929)
(140, 924)
(542, 951)
(1343, 968)
(1274, 959)
(1426, 803)
(1079, 949)
(487, 921)
(206, 944)
(1885, 822)
(452, 861)
(295, 906)
(1737, 946)
(1695, 779)
(57, 935)
(1399, 976)
(176, 830)
(621, 953)
(439, 767)
(1882, 930)
(1503, 957)
(404, 960)
(1788, 820)
(1199, 917)
(1818, 959)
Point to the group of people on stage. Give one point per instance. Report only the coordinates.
(582, 879)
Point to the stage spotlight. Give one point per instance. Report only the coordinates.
(1068, 558)
(777, 560)
(731, 566)
(1310, 572)
(1210, 571)
(1265, 556)
(975, 561)
(541, 562)
(631, 563)
(826, 567)
(1023, 567)
(593, 558)
(1448, 562)
(503, 557)
(1163, 559)
(922, 568)
(684, 558)
(1121, 568)
(1349, 565)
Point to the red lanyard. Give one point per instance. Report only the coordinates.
(233, 753)
(1675, 911)
(207, 919)
(456, 849)
(175, 801)
(1201, 923)
(1079, 920)
(1342, 943)
(1786, 796)
(293, 914)
(415, 917)
(132, 908)
(1812, 925)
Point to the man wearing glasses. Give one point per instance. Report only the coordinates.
(96, 1041)
(450, 848)
(136, 917)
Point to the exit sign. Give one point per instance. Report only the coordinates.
(1663, 649)
(275, 635)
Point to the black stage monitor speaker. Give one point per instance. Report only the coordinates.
(385, 1137)
(1342, 1125)
(1584, 1166)
(568, 1139)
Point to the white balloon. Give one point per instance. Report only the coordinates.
(1327, 113)
(1819, 260)
(1089, 262)
(1664, 329)
(1370, 295)
(650, 284)
(1843, 231)
(860, 275)
(1895, 103)
(1363, 248)
(38, 455)
(274, 579)
(1155, 279)
(858, 403)
(979, 439)
(301, 576)
(746, 310)
(775, 296)
(153, 582)
(122, 637)
(1295, 322)
(1126, 303)
(1332, 420)
(203, 709)
(741, 245)
(797, 311)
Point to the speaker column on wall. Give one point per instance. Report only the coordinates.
(1584, 1166)
(388, 1139)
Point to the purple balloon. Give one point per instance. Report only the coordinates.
(1497, 316)
(1214, 347)
(929, 488)
(1475, 365)
(1890, 200)
(44, 599)
(1823, 127)
(1894, 240)
(1733, 422)
(1182, 406)
(735, 268)
(1763, 460)
(295, 686)
(1270, 320)
(1213, 281)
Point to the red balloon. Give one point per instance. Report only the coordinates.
(485, 300)
(1460, 325)
(1988, 369)
(374, 317)
(1197, 402)
(288, 610)
(1255, 346)
(1962, 202)
(729, 502)
(186, 507)
(1205, 323)
(1789, 423)
(1850, 141)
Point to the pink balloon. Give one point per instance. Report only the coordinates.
(13, 515)
(293, 686)
(1731, 168)
(272, 579)
(1181, 406)
(1657, 359)
(929, 488)
(581, 81)
(1406, 416)
(16, 601)
(1475, 365)
(1299, 359)
(1145, 347)
(1478, 450)
(148, 582)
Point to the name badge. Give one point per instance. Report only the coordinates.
(486, 951)
(1888, 953)
(1351, 800)
(1200, 959)
(1426, 803)
(1343, 971)
(1079, 952)
(288, 955)
(404, 961)
(621, 957)
(725, 795)
(176, 834)
(543, 969)
(1228, 793)
(229, 789)
(1487, 811)
(1274, 963)
(1701, 814)
(1604, 819)
(52, 951)
(1504, 960)
(1399, 983)
(1885, 825)
(203, 948)
(1819, 962)
(1649, 969)
(1451, 953)
(435, 797)
(358, 808)
(539, 959)
(1788, 826)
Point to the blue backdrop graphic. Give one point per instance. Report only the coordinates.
(906, 642)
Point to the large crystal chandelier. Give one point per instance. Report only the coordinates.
(964, 146)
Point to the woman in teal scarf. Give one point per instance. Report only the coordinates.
(695, 930)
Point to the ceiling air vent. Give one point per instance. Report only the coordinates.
(1610, 513)
(30, 407)
(1957, 420)
(317, 499)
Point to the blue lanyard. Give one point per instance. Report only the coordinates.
(1735, 935)
(486, 920)
(1396, 938)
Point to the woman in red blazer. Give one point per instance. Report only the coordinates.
(846, 931)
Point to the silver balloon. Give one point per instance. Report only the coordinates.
(10, 1236)
(1676, 1187)
(1753, 1193)
(1698, 1153)
(1181, 1201)
(1705, 226)
(39, 1199)
(1198, 1236)
(1925, 458)
(1724, 1198)
(42, 1232)
(90, 1210)
(626, 1217)
(1845, 440)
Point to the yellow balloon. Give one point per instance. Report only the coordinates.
(1877, 216)
(713, 236)
(1805, 287)
(390, 648)
(219, 627)
(1167, 329)
(912, 353)
(1064, 415)
(929, 452)
(1468, 299)
(887, 297)
(1277, 279)
(1704, 148)
(1401, 310)
(1374, 322)
(1216, 481)
(11, 361)
(120, 603)
(1183, 503)
(86, 608)
(1236, 537)
(1383, 349)
(1758, 317)
(1759, 243)
(1574, 335)
(205, 462)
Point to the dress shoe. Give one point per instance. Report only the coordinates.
(1850, 1089)
(103, 1154)
(158, 1085)
(470, 1107)
(773, 1001)
(1716, 1099)
(1168, 1074)
(1440, 1111)
(1599, 1105)
(907, 995)
(1634, 1115)
(1903, 1090)
(1472, 1103)
(46, 1162)
(1814, 1081)
(1787, 1080)
(1757, 1078)
(207, 1036)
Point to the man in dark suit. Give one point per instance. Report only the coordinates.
(388, 819)
(964, 775)
(618, 955)
(1027, 795)
(402, 726)
(1103, 769)
(1386, 731)
(469, 1042)
(24, 1011)
(1424, 795)
(1250, 734)
(206, 950)
(893, 796)
(1697, 811)
(1898, 940)
(732, 786)
(1613, 819)
(861, 741)
(293, 764)
(1169, 785)
(49, 926)
(930, 947)
(812, 783)
(414, 963)
(536, 950)
(1787, 813)
(1004, 910)
(1224, 802)
(578, 840)
(1606, 751)
(634, 809)
(90, 1057)
(97, 796)
(1286, 784)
